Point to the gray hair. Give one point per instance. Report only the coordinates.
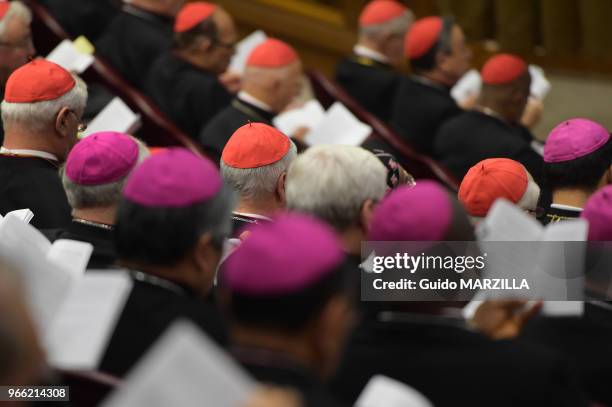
(257, 183)
(16, 9)
(529, 200)
(332, 182)
(96, 196)
(398, 25)
(38, 116)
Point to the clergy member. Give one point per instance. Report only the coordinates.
(93, 177)
(428, 345)
(16, 45)
(41, 111)
(137, 36)
(370, 75)
(493, 128)
(83, 17)
(577, 163)
(271, 81)
(496, 178)
(254, 162)
(171, 224)
(439, 57)
(290, 305)
(184, 82)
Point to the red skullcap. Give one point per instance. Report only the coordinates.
(38, 81)
(255, 145)
(381, 11)
(422, 36)
(272, 53)
(193, 14)
(503, 69)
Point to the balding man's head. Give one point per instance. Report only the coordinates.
(15, 39)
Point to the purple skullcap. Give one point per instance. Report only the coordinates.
(101, 158)
(173, 178)
(420, 213)
(283, 257)
(573, 139)
(598, 212)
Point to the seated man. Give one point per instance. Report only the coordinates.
(41, 111)
(16, 45)
(290, 305)
(184, 82)
(93, 177)
(576, 164)
(84, 17)
(370, 75)
(271, 81)
(496, 178)
(171, 224)
(255, 162)
(137, 36)
(492, 129)
(439, 57)
(427, 345)
(339, 185)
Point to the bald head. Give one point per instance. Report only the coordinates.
(277, 87)
(15, 39)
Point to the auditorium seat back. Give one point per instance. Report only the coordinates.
(87, 388)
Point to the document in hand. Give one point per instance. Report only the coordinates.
(71, 56)
(184, 368)
(384, 391)
(531, 250)
(244, 48)
(79, 333)
(24, 215)
(309, 115)
(116, 116)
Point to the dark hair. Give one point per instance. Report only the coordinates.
(583, 172)
(427, 62)
(163, 236)
(206, 28)
(290, 313)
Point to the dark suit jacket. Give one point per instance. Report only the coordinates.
(218, 131)
(83, 17)
(453, 366)
(419, 110)
(187, 94)
(133, 40)
(149, 311)
(34, 183)
(373, 84)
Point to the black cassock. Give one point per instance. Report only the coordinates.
(133, 40)
(586, 340)
(273, 368)
(188, 95)
(419, 109)
(103, 255)
(454, 366)
(218, 131)
(33, 183)
(554, 215)
(83, 17)
(373, 84)
(471, 137)
(150, 309)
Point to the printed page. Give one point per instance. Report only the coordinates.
(384, 391)
(244, 48)
(309, 115)
(68, 56)
(339, 126)
(116, 116)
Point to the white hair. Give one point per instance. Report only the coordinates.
(332, 182)
(40, 115)
(96, 196)
(16, 9)
(529, 200)
(398, 25)
(257, 183)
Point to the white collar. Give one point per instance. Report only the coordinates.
(25, 152)
(363, 51)
(252, 215)
(566, 207)
(252, 100)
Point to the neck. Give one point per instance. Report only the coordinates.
(264, 207)
(571, 197)
(437, 77)
(352, 238)
(292, 346)
(105, 215)
(260, 94)
(23, 140)
(178, 273)
(499, 107)
(193, 59)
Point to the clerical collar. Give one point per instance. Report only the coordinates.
(158, 282)
(252, 215)
(363, 51)
(93, 224)
(450, 318)
(28, 153)
(428, 82)
(566, 207)
(490, 112)
(252, 100)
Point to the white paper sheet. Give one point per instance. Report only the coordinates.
(184, 368)
(244, 48)
(80, 332)
(24, 215)
(540, 86)
(68, 56)
(468, 86)
(384, 391)
(339, 126)
(116, 116)
(309, 115)
(71, 255)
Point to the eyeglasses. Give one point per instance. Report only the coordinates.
(82, 126)
(229, 46)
